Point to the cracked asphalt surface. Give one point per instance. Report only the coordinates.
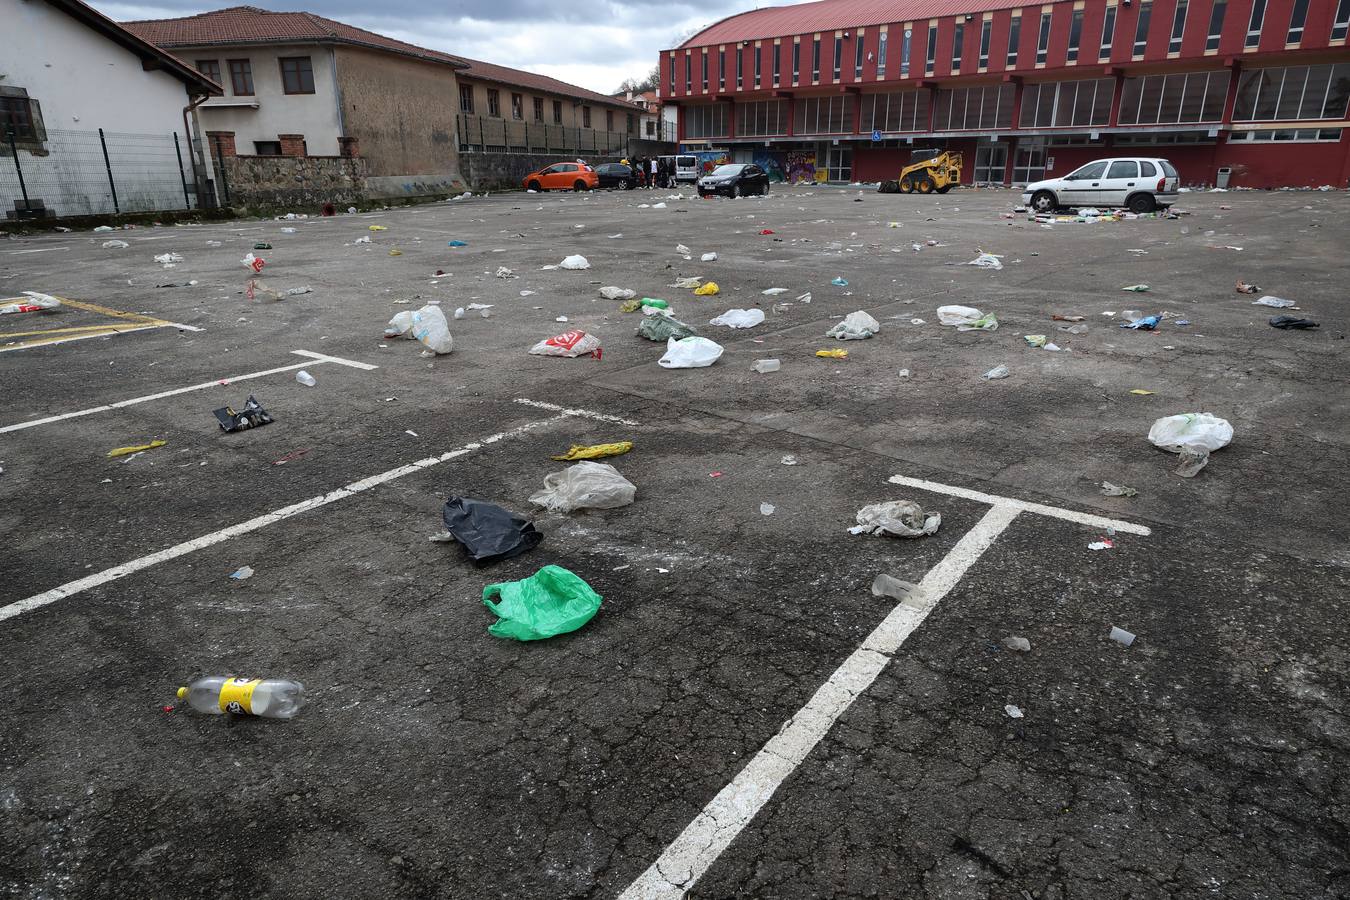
(434, 761)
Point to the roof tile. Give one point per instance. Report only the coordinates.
(829, 15)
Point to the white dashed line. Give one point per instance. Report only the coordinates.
(583, 413)
(1039, 509)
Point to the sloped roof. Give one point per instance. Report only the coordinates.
(146, 50)
(828, 15)
(251, 25)
(486, 71)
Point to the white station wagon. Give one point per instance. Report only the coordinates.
(1140, 183)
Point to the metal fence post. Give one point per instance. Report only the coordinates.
(220, 165)
(187, 202)
(482, 144)
(23, 188)
(108, 164)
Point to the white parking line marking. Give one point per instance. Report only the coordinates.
(82, 337)
(39, 250)
(37, 601)
(318, 357)
(584, 413)
(335, 359)
(713, 829)
(1039, 509)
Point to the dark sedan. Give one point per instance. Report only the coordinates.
(734, 180)
(617, 175)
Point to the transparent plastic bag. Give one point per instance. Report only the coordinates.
(430, 327)
(690, 353)
(855, 327)
(586, 485)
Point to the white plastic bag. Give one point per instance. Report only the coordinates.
(902, 518)
(986, 261)
(855, 327)
(708, 257)
(575, 261)
(966, 318)
(115, 245)
(400, 325)
(739, 318)
(1200, 430)
(430, 327)
(590, 485)
(36, 301)
(690, 353)
(570, 344)
(617, 293)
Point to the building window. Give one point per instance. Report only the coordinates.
(1254, 24)
(539, 109)
(267, 148)
(985, 30)
(1288, 135)
(688, 75)
(777, 63)
(241, 77)
(764, 118)
(838, 55)
(1297, 19)
(815, 60)
(1293, 92)
(609, 120)
(824, 115)
(672, 74)
(1169, 99)
(632, 124)
(1108, 34)
(1043, 39)
(557, 112)
(1067, 104)
(958, 44)
(297, 76)
(1178, 27)
(705, 71)
(706, 120)
(16, 114)
(902, 111)
(651, 128)
(466, 98)
(974, 108)
(585, 117)
(796, 61)
(1075, 34)
(1341, 24)
(210, 68)
(905, 42)
(758, 63)
(740, 78)
(1216, 23)
(931, 59)
(1141, 27)
(517, 107)
(881, 52)
(494, 103)
(721, 70)
(1014, 38)
(858, 46)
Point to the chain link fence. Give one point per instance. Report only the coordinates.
(79, 173)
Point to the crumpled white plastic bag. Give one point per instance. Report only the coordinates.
(855, 327)
(739, 318)
(690, 353)
(902, 518)
(400, 325)
(967, 318)
(1203, 430)
(575, 261)
(430, 327)
(611, 292)
(590, 485)
(986, 261)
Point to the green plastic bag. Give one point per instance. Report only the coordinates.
(550, 602)
(663, 328)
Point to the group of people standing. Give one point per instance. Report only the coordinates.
(652, 172)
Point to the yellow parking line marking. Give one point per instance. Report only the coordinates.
(130, 322)
(114, 313)
(73, 330)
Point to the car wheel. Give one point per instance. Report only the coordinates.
(906, 185)
(765, 192)
(535, 186)
(579, 186)
(1142, 203)
(624, 185)
(925, 185)
(734, 191)
(1043, 202)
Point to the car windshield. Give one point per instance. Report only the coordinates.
(723, 171)
(1167, 168)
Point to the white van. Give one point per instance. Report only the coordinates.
(686, 166)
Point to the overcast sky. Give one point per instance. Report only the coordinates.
(618, 40)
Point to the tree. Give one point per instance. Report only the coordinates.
(638, 86)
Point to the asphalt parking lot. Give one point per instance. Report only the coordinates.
(743, 718)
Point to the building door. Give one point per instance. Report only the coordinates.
(991, 163)
(1029, 160)
(839, 163)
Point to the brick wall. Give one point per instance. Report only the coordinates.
(302, 183)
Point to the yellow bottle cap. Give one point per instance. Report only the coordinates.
(182, 692)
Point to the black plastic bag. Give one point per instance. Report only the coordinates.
(1286, 322)
(488, 532)
(251, 416)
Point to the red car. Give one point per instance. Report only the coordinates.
(563, 176)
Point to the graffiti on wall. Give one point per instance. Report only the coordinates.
(711, 159)
(801, 167)
(772, 164)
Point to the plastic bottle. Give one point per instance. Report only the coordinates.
(272, 698)
(767, 365)
(304, 378)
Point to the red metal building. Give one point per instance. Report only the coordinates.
(842, 90)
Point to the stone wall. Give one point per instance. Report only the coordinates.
(309, 181)
(506, 171)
